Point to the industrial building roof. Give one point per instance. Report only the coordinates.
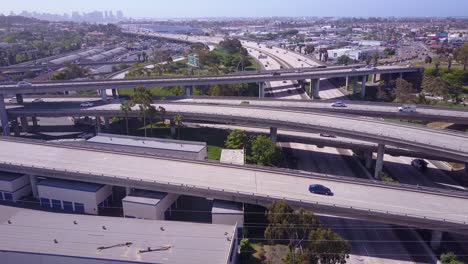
(227, 207)
(154, 143)
(144, 197)
(71, 185)
(9, 176)
(65, 59)
(113, 238)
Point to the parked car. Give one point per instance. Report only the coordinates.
(419, 164)
(38, 100)
(407, 108)
(13, 99)
(338, 104)
(276, 74)
(285, 81)
(24, 84)
(86, 104)
(320, 189)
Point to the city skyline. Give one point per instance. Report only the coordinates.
(244, 8)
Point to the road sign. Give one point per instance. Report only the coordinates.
(193, 61)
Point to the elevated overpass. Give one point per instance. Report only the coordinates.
(44, 87)
(362, 199)
(447, 144)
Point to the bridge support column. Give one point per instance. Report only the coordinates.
(436, 239)
(401, 75)
(107, 122)
(98, 125)
(103, 95)
(128, 190)
(16, 129)
(347, 83)
(33, 180)
(34, 121)
(363, 86)
(188, 90)
(466, 169)
(274, 134)
(4, 116)
(379, 162)
(24, 124)
(261, 90)
(173, 128)
(315, 88)
(368, 159)
(19, 98)
(114, 93)
(355, 81)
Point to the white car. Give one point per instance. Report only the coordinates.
(338, 104)
(407, 108)
(86, 104)
(24, 84)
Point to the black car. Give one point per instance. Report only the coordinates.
(276, 74)
(320, 189)
(419, 164)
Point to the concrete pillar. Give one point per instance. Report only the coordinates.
(173, 128)
(114, 93)
(107, 122)
(34, 121)
(261, 90)
(374, 78)
(4, 116)
(16, 129)
(379, 161)
(24, 124)
(19, 98)
(33, 180)
(128, 190)
(347, 83)
(368, 158)
(436, 239)
(188, 90)
(274, 134)
(98, 124)
(363, 86)
(466, 169)
(316, 90)
(103, 95)
(401, 75)
(355, 81)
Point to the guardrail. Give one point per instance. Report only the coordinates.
(227, 192)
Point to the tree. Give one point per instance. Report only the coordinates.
(344, 59)
(265, 152)
(403, 91)
(428, 59)
(285, 223)
(178, 122)
(152, 112)
(309, 49)
(450, 258)
(143, 114)
(144, 99)
(376, 57)
(327, 247)
(237, 139)
(126, 107)
(368, 60)
(461, 55)
(435, 85)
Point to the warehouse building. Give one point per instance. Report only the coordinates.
(13, 186)
(155, 146)
(52, 238)
(74, 196)
(227, 213)
(148, 204)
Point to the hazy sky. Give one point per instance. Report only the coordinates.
(247, 8)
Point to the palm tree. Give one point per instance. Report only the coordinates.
(143, 113)
(126, 107)
(178, 122)
(152, 113)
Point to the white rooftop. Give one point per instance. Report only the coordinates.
(144, 197)
(232, 156)
(34, 232)
(226, 207)
(154, 143)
